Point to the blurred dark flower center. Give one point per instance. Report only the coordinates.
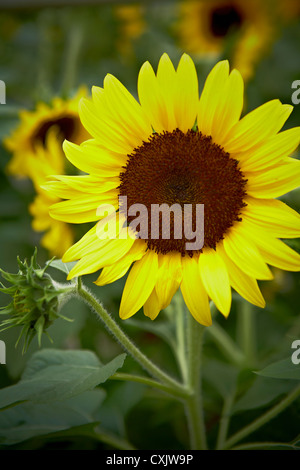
(224, 19)
(67, 127)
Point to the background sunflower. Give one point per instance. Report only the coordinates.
(207, 28)
(49, 52)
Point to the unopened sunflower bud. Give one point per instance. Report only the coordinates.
(36, 301)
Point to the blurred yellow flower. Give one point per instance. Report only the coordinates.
(205, 28)
(34, 126)
(132, 25)
(48, 160)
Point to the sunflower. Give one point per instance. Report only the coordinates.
(206, 28)
(34, 125)
(174, 148)
(48, 160)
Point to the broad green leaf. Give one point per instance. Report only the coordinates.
(121, 399)
(262, 393)
(284, 369)
(54, 375)
(74, 416)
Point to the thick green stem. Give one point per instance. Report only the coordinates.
(177, 388)
(262, 420)
(194, 404)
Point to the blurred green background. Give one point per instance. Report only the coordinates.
(50, 50)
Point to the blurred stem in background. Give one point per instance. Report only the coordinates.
(194, 404)
(246, 333)
(71, 56)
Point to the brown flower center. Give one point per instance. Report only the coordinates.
(67, 127)
(224, 19)
(184, 168)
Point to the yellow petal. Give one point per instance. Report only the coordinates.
(139, 284)
(280, 146)
(85, 208)
(230, 107)
(108, 132)
(151, 98)
(211, 97)
(126, 110)
(169, 277)
(91, 158)
(152, 306)
(107, 254)
(86, 183)
(82, 246)
(278, 254)
(186, 101)
(215, 279)
(245, 285)
(274, 251)
(244, 253)
(273, 216)
(58, 239)
(120, 267)
(166, 78)
(275, 182)
(193, 292)
(257, 126)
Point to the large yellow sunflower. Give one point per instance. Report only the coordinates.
(206, 27)
(34, 126)
(48, 160)
(174, 148)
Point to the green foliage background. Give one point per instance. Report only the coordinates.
(36, 63)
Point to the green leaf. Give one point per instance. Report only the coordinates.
(221, 376)
(58, 264)
(284, 369)
(53, 375)
(74, 416)
(263, 392)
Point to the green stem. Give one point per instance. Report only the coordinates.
(180, 350)
(194, 404)
(127, 344)
(226, 345)
(246, 331)
(71, 56)
(113, 441)
(225, 420)
(149, 382)
(265, 418)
